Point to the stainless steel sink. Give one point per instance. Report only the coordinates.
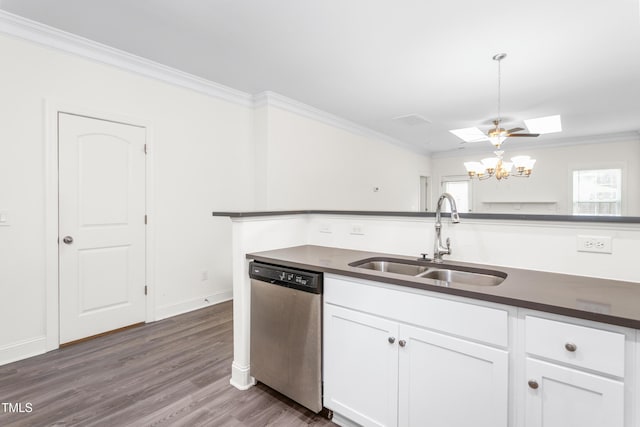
(442, 274)
(397, 266)
(466, 277)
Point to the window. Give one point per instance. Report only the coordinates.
(459, 187)
(597, 192)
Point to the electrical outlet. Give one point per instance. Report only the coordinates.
(357, 229)
(600, 244)
(325, 228)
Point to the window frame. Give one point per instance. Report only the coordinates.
(593, 167)
(458, 178)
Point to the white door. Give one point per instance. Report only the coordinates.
(361, 366)
(101, 226)
(446, 381)
(563, 397)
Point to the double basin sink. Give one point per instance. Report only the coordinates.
(443, 274)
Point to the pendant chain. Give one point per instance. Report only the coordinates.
(499, 78)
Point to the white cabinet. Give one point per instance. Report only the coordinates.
(384, 372)
(402, 357)
(439, 373)
(360, 366)
(574, 375)
(580, 346)
(559, 396)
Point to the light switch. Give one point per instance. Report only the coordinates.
(4, 217)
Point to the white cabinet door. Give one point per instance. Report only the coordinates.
(562, 397)
(361, 366)
(446, 381)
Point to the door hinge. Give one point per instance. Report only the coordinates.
(145, 289)
(145, 219)
(145, 148)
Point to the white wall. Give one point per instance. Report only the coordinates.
(313, 165)
(200, 148)
(551, 178)
(207, 154)
(536, 245)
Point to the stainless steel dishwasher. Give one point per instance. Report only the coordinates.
(286, 331)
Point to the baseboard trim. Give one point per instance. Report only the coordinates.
(182, 307)
(241, 377)
(35, 346)
(23, 350)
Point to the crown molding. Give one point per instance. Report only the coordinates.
(26, 29)
(549, 143)
(273, 99)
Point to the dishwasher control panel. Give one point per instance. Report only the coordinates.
(284, 276)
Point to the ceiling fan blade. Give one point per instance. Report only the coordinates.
(515, 130)
(523, 134)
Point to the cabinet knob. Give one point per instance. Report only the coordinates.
(391, 340)
(570, 347)
(402, 343)
(533, 384)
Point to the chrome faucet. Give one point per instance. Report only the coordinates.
(438, 249)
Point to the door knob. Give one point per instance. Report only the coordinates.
(67, 239)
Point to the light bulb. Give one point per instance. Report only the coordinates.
(520, 161)
(490, 162)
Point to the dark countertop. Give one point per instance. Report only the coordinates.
(601, 300)
(522, 217)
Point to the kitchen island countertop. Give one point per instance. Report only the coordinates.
(601, 300)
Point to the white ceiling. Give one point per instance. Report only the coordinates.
(369, 61)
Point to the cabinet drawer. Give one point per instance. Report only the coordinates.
(475, 322)
(581, 346)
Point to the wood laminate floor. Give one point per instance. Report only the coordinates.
(174, 372)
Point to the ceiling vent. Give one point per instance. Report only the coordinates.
(412, 120)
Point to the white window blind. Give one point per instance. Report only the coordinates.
(597, 192)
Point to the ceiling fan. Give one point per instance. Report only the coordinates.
(497, 135)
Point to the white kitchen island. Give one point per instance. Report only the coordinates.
(410, 235)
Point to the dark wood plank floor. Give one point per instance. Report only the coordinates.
(174, 372)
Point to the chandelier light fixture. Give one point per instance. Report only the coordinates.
(519, 166)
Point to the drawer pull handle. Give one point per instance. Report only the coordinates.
(391, 340)
(533, 384)
(402, 343)
(570, 347)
